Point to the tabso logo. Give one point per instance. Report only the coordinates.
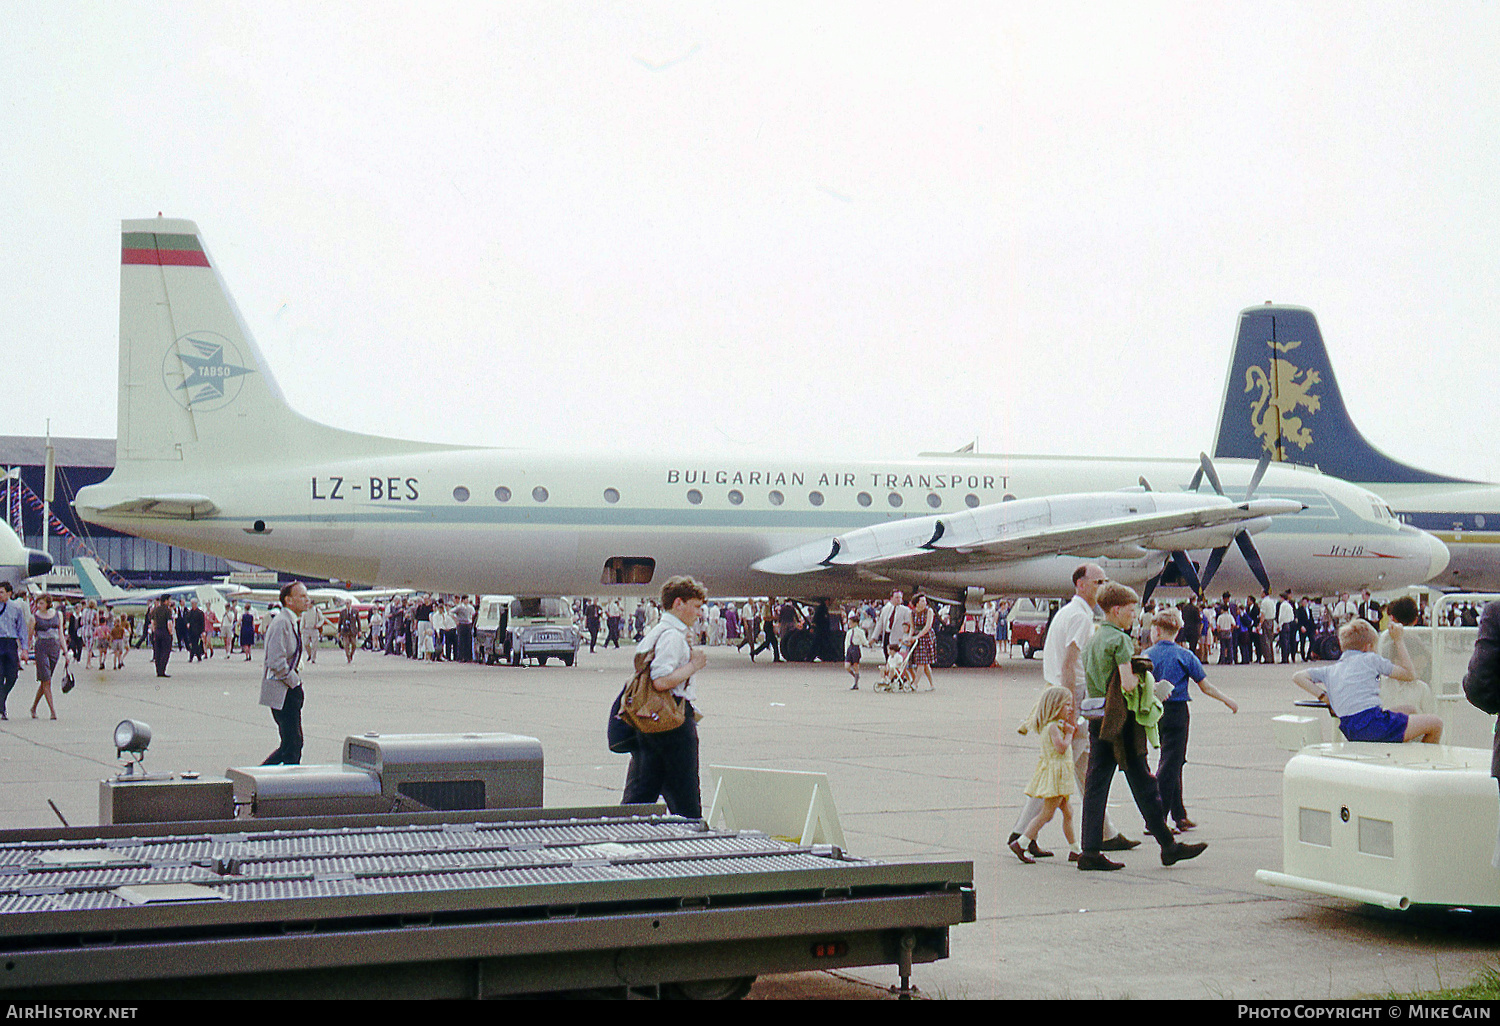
(204, 371)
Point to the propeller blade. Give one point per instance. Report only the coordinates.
(1252, 557)
(1260, 472)
(1208, 468)
(1185, 570)
(1214, 559)
(1197, 480)
(1150, 587)
(1144, 483)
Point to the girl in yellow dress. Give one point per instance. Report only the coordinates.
(1054, 720)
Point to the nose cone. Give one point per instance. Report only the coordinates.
(1437, 556)
(37, 563)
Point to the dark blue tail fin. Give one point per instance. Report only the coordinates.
(1281, 398)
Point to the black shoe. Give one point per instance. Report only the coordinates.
(1119, 842)
(1094, 860)
(1035, 851)
(1013, 838)
(1180, 852)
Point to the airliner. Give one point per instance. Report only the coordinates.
(210, 456)
(1281, 400)
(17, 562)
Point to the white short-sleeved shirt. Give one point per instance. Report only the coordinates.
(669, 638)
(1353, 683)
(1073, 624)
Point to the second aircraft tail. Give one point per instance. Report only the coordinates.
(1281, 399)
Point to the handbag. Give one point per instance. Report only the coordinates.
(67, 682)
(645, 707)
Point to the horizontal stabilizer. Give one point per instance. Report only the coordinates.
(180, 506)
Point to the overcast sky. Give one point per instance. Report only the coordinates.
(828, 229)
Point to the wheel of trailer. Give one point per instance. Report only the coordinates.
(1328, 648)
(732, 989)
(568, 659)
(541, 660)
(797, 646)
(976, 648)
(944, 651)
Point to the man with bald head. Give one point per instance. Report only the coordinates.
(1062, 664)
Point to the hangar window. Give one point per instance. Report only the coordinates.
(539, 493)
(894, 499)
(934, 499)
(461, 494)
(816, 498)
(611, 495)
(971, 500)
(864, 498)
(628, 570)
(694, 496)
(776, 498)
(502, 494)
(736, 496)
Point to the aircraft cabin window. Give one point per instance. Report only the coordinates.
(816, 498)
(971, 500)
(1007, 497)
(776, 498)
(461, 493)
(934, 499)
(894, 499)
(539, 493)
(864, 498)
(502, 494)
(611, 495)
(1478, 519)
(736, 496)
(694, 496)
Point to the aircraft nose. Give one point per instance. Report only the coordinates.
(37, 563)
(1437, 556)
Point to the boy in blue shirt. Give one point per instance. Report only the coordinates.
(1176, 665)
(1351, 687)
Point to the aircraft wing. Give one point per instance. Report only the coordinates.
(1125, 525)
(178, 506)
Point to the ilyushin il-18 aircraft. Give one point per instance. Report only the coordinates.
(17, 562)
(1281, 401)
(211, 457)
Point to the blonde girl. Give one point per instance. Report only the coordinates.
(1054, 720)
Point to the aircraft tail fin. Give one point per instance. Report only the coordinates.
(92, 582)
(193, 383)
(1281, 398)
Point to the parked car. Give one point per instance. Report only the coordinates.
(517, 629)
(1028, 622)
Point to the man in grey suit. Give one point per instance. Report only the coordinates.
(280, 687)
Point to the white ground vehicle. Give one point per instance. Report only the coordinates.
(518, 629)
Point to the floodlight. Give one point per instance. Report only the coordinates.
(132, 736)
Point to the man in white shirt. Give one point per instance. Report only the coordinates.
(894, 624)
(1062, 664)
(665, 765)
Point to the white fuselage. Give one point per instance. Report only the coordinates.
(525, 522)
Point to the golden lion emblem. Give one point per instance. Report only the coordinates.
(1284, 389)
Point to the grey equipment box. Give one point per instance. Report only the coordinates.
(385, 773)
(164, 799)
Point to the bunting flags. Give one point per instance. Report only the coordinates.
(62, 531)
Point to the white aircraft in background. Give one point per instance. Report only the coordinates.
(17, 562)
(209, 456)
(1281, 400)
(93, 583)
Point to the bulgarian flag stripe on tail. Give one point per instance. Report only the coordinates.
(161, 250)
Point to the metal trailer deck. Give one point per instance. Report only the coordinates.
(479, 904)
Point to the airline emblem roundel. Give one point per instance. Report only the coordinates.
(204, 371)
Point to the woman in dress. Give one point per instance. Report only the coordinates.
(924, 634)
(46, 649)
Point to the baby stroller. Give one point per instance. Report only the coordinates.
(896, 672)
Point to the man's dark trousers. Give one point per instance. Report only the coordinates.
(666, 766)
(289, 722)
(161, 651)
(1101, 774)
(10, 668)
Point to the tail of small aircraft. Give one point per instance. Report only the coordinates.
(193, 384)
(1281, 398)
(92, 582)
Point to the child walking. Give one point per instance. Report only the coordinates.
(1054, 720)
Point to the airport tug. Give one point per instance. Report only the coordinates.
(1395, 825)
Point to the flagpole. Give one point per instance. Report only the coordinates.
(47, 496)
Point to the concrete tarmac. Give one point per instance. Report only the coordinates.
(933, 775)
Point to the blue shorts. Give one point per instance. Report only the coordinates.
(1375, 724)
